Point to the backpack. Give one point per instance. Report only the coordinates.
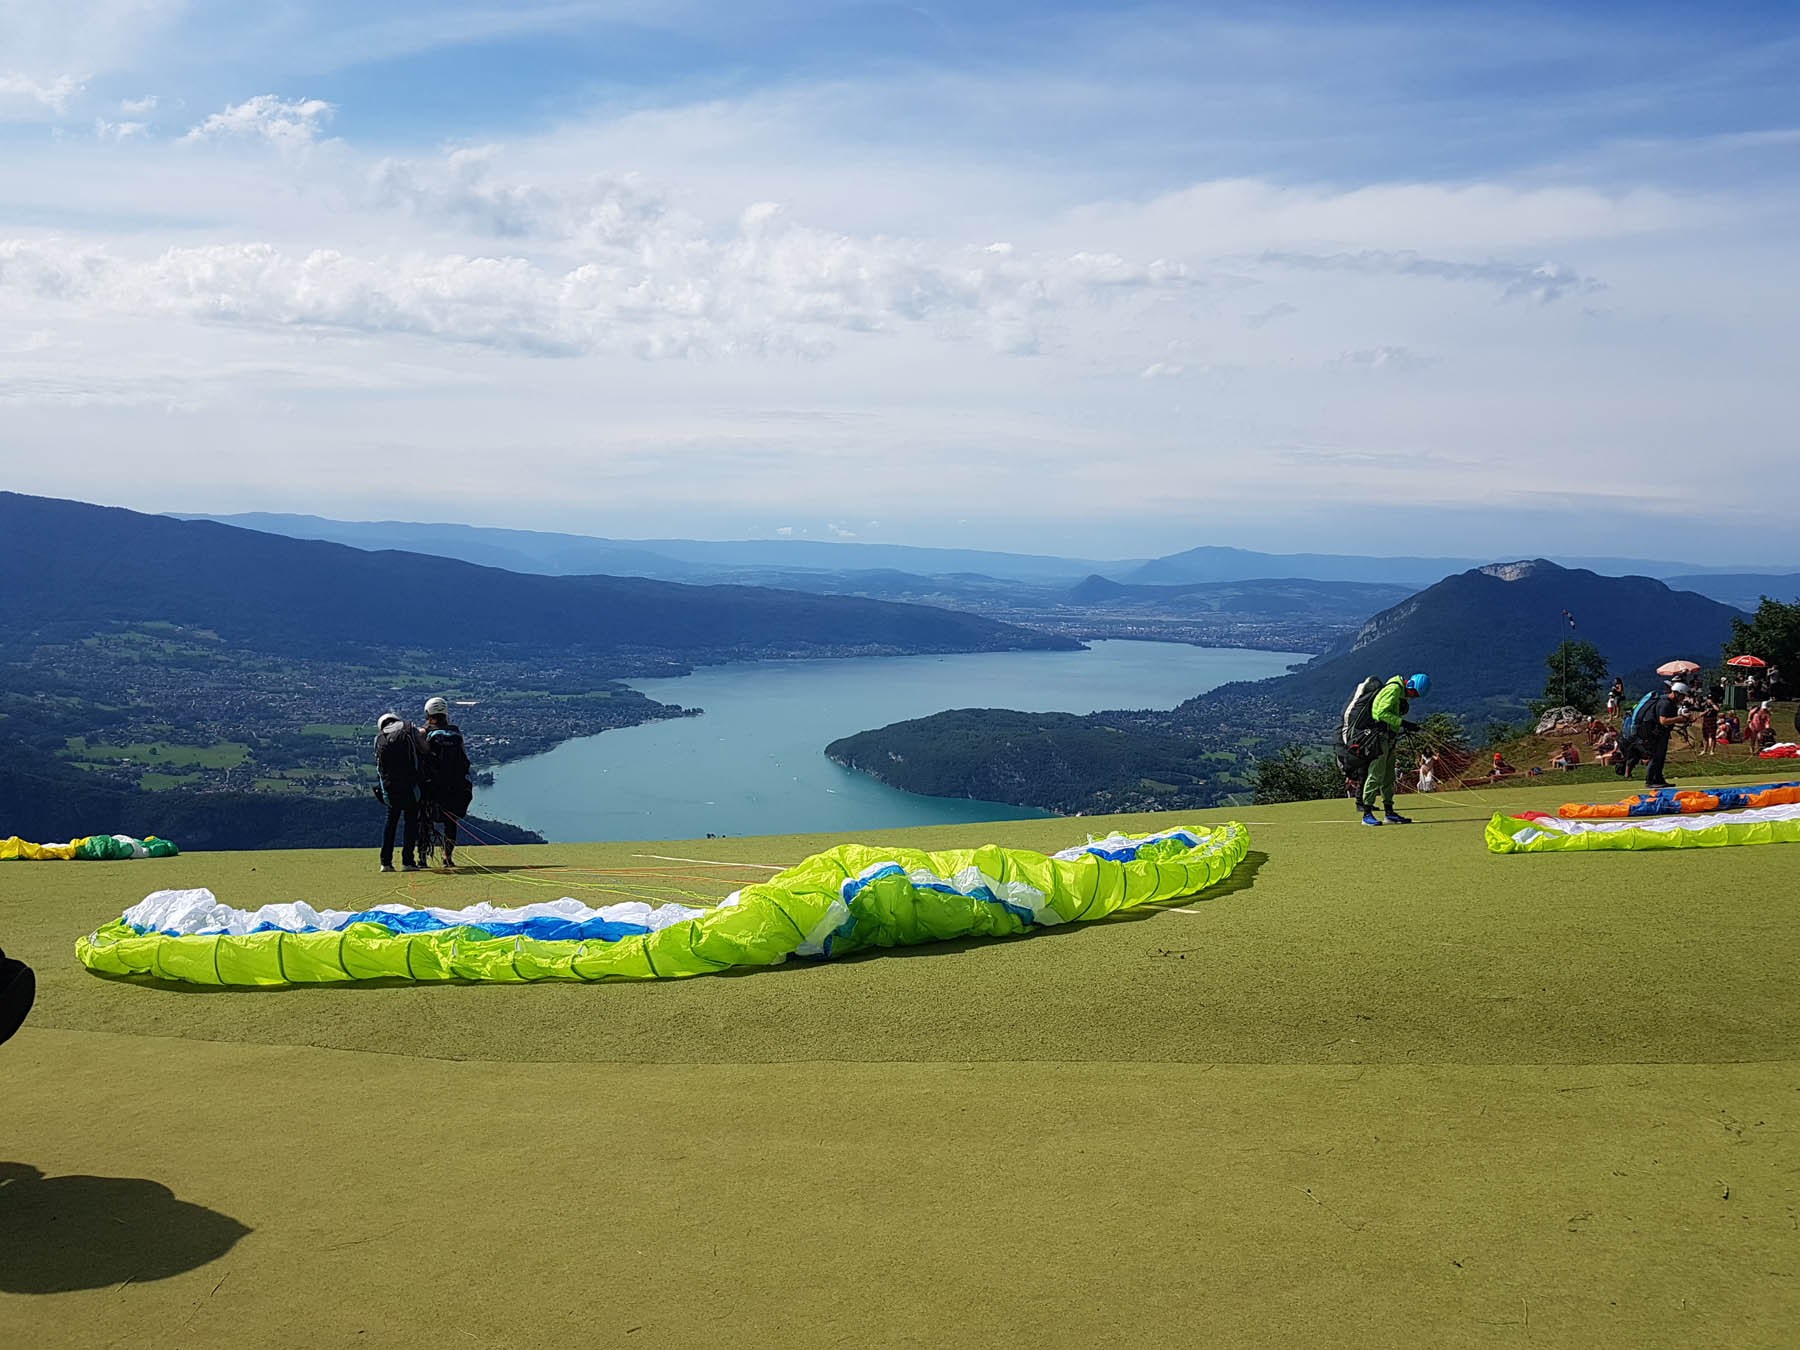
(1355, 745)
(397, 756)
(1635, 720)
(448, 758)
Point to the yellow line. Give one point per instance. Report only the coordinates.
(713, 862)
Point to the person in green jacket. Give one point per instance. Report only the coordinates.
(1389, 712)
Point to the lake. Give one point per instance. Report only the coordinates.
(755, 763)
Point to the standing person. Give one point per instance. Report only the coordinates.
(1709, 726)
(1389, 711)
(402, 790)
(1762, 728)
(449, 784)
(1664, 717)
(1615, 700)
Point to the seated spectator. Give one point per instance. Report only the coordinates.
(1730, 733)
(1566, 758)
(1501, 767)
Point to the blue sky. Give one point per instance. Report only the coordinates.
(1401, 278)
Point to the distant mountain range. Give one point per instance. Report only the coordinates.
(663, 559)
(1483, 634)
(1283, 596)
(71, 563)
(1744, 590)
(691, 559)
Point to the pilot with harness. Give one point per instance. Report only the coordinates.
(1370, 739)
(402, 790)
(449, 785)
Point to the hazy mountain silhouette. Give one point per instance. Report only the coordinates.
(74, 564)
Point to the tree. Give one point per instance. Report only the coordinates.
(1292, 776)
(1772, 633)
(1441, 735)
(1577, 674)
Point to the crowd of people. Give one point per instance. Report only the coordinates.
(1627, 737)
(426, 785)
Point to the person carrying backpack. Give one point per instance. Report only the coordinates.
(1387, 715)
(1634, 733)
(1664, 717)
(402, 790)
(449, 786)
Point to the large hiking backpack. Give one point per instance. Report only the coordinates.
(448, 762)
(1356, 733)
(1638, 718)
(397, 757)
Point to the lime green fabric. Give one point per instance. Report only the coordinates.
(1510, 834)
(850, 898)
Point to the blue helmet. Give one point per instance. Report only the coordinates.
(1418, 685)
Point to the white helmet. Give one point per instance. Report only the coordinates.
(436, 704)
(387, 719)
(1678, 688)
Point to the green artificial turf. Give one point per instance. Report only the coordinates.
(1381, 1088)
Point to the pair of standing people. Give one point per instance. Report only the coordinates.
(425, 783)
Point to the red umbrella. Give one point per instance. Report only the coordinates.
(1746, 661)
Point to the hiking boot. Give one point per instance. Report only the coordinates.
(387, 867)
(409, 867)
(1369, 818)
(1659, 785)
(1394, 818)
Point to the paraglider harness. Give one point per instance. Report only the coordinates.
(1632, 730)
(448, 787)
(1361, 739)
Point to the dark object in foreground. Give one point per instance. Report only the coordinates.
(18, 988)
(63, 1233)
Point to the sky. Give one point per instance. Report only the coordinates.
(1083, 279)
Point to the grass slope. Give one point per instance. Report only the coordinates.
(1381, 1088)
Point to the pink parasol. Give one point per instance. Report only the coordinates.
(1677, 668)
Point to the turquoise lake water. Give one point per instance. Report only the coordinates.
(755, 762)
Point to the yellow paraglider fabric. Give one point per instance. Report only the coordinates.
(846, 899)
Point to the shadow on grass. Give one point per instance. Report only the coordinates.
(59, 1234)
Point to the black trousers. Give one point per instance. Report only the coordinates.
(1653, 762)
(408, 812)
(449, 816)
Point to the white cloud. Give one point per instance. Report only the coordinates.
(27, 93)
(118, 131)
(1267, 316)
(287, 124)
(138, 107)
(600, 265)
(1545, 281)
(1381, 358)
